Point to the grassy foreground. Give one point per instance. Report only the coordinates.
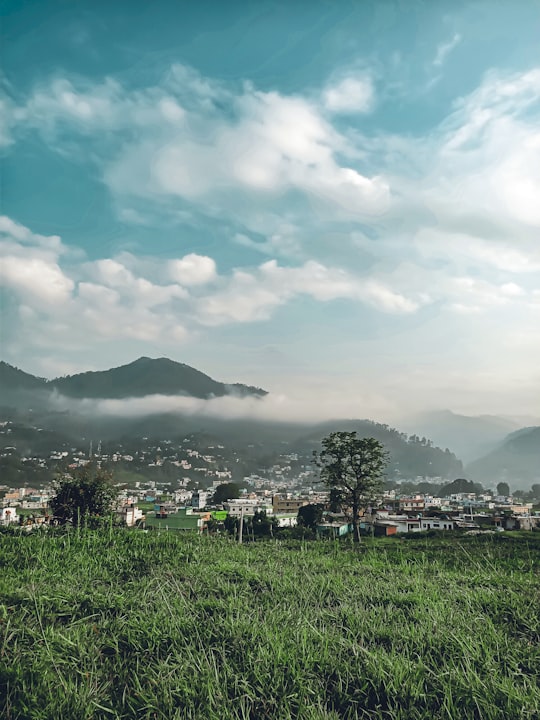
(133, 625)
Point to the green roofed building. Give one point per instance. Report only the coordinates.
(184, 519)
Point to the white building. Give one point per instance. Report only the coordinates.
(246, 506)
(405, 524)
(198, 499)
(131, 514)
(8, 515)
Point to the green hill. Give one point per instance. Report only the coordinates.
(410, 456)
(145, 376)
(11, 378)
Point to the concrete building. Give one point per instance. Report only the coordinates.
(246, 506)
(283, 504)
(130, 515)
(199, 499)
(8, 515)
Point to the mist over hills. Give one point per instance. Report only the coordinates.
(145, 376)
(87, 415)
(160, 398)
(516, 460)
(470, 437)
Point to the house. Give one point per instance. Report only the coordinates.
(385, 528)
(286, 520)
(8, 515)
(282, 504)
(246, 506)
(336, 529)
(406, 524)
(412, 504)
(131, 514)
(184, 519)
(435, 523)
(199, 499)
(11, 497)
(519, 522)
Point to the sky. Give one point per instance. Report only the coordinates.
(336, 201)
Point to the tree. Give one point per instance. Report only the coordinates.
(226, 491)
(309, 516)
(503, 489)
(262, 525)
(352, 468)
(231, 524)
(83, 496)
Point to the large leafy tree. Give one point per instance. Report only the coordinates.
(86, 494)
(310, 515)
(353, 469)
(503, 489)
(226, 491)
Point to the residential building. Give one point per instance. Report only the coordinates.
(287, 504)
(8, 515)
(246, 506)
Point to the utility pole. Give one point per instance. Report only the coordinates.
(240, 532)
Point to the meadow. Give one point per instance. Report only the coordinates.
(126, 624)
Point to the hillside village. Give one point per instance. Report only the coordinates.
(172, 485)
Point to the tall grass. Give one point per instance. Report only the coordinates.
(120, 624)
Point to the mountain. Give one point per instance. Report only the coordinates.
(516, 461)
(13, 378)
(409, 457)
(145, 376)
(468, 436)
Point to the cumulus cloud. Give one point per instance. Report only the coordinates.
(82, 303)
(249, 296)
(189, 137)
(350, 95)
(36, 277)
(193, 269)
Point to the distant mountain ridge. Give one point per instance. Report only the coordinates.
(13, 378)
(470, 437)
(145, 376)
(516, 460)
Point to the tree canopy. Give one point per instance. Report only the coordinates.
(310, 515)
(226, 491)
(503, 489)
(353, 469)
(85, 495)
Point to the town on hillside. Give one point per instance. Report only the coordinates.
(197, 486)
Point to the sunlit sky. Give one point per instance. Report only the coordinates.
(336, 201)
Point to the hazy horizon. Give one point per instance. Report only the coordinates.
(336, 203)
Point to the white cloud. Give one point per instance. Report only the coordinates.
(81, 303)
(445, 49)
(250, 296)
(193, 269)
(304, 406)
(351, 95)
(464, 251)
(189, 137)
(37, 278)
(449, 219)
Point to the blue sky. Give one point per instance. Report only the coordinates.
(338, 201)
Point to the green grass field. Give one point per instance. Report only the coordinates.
(121, 624)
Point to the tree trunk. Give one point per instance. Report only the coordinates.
(356, 523)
